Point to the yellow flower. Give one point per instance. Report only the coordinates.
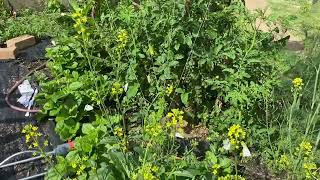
(154, 169)
(46, 143)
(310, 170)
(169, 90)
(74, 165)
(118, 132)
(34, 128)
(154, 130)
(298, 83)
(82, 167)
(85, 158)
(215, 169)
(176, 117)
(236, 134)
(123, 36)
(79, 172)
(116, 89)
(122, 39)
(83, 19)
(284, 161)
(151, 52)
(306, 148)
(134, 176)
(35, 144)
(231, 177)
(82, 30)
(170, 114)
(77, 14)
(27, 138)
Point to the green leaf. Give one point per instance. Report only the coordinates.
(173, 63)
(188, 41)
(179, 90)
(75, 85)
(176, 47)
(119, 161)
(179, 56)
(186, 173)
(141, 55)
(231, 54)
(87, 128)
(133, 90)
(218, 49)
(184, 98)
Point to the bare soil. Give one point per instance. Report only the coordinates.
(11, 121)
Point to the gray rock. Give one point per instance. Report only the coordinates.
(16, 5)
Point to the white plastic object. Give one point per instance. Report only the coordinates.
(26, 92)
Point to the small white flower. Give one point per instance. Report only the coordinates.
(63, 14)
(178, 135)
(245, 151)
(226, 144)
(125, 87)
(88, 107)
(53, 43)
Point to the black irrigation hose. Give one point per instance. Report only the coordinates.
(11, 90)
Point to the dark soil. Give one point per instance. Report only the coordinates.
(11, 121)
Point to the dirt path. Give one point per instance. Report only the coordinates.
(256, 4)
(295, 43)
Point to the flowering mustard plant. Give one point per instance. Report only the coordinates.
(122, 39)
(236, 135)
(306, 148)
(310, 170)
(116, 89)
(176, 120)
(169, 90)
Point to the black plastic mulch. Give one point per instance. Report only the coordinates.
(11, 121)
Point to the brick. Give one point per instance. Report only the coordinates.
(8, 53)
(21, 42)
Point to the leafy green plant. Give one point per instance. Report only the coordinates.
(158, 90)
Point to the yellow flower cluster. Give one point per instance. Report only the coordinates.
(122, 38)
(80, 20)
(169, 90)
(32, 136)
(154, 130)
(147, 172)
(176, 119)
(231, 177)
(151, 51)
(79, 166)
(215, 169)
(310, 170)
(305, 148)
(236, 134)
(118, 132)
(298, 83)
(284, 161)
(116, 89)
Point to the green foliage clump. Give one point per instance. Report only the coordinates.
(39, 24)
(163, 89)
